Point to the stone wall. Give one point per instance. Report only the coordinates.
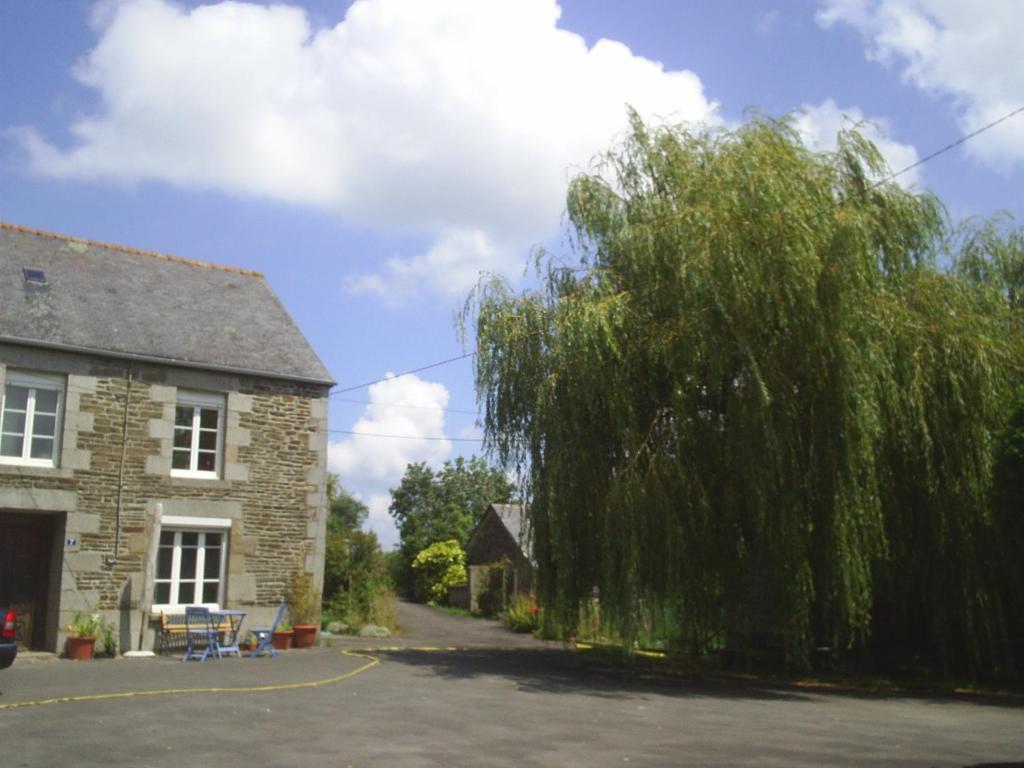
(110, 481)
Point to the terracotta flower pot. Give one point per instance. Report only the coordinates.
(281, 639)
(305, 635)
(81, 648)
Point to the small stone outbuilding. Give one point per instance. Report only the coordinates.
(163, 441)
(501, 536)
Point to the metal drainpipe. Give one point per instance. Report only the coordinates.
(120, 470)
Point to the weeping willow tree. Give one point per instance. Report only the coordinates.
(762, 406)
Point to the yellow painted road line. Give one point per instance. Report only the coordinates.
(420, 648)
(636, 652)
(372, 661)
(447, 648)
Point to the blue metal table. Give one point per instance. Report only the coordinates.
(233, 619)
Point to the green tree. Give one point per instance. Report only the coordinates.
(992, 255)
(347, 513)
(346, 516)
(430, 506)
(1008, 494)
(355, 575)
(758, 404)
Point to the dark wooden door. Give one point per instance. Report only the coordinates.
(26, 543)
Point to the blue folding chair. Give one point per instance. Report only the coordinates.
(199, 630)
(264, 634)
(228, 624)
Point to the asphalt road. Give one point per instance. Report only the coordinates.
(423, 626)
(522, 703)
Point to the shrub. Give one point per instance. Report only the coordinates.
(354, 563)
(356, 581)
(490, 601)
(107, 641)
(379, 609)
(439, 566)
(523, 614)
(383, 610)
(303, 600)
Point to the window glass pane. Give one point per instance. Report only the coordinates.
(210, 592)
(15, 397)
(211, 569)
(207, 441)
(186, 592)
(179, 459)
(189, 538)
(11, 445)
(188, 563)
(42, 448)
(44, 426)
(14, 422)
(208, 418)
(207, 462)
(183, 416)
(212, 540)
(182, 438)
(166, 538)
(162, 593)
(46, 400)
(164, 558)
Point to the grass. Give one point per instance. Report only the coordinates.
(457, 611)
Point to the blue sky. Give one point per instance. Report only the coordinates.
(372, 158)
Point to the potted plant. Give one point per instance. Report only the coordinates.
(248, 643)
(304, 607)
(82, 633)
(281, 639)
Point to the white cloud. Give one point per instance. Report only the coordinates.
(951, 48)
(454, 119)
(450, 267)
(360, 459)
(819, 126)
(371, 466)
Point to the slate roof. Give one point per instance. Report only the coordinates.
(123, 302)
(513, 517)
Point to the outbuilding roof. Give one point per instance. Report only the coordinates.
(513, 517)
(70, 293)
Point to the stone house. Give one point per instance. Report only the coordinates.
(502, 535)
(136, 388)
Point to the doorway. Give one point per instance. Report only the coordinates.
(29, 565)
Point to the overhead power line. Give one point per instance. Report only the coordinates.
(439, 363)
(951, 145)
(407, 437)
(404, 405)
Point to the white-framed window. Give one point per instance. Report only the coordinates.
(190, 566)
(198, 435)
(31, 419)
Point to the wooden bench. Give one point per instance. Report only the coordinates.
(172, 630)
